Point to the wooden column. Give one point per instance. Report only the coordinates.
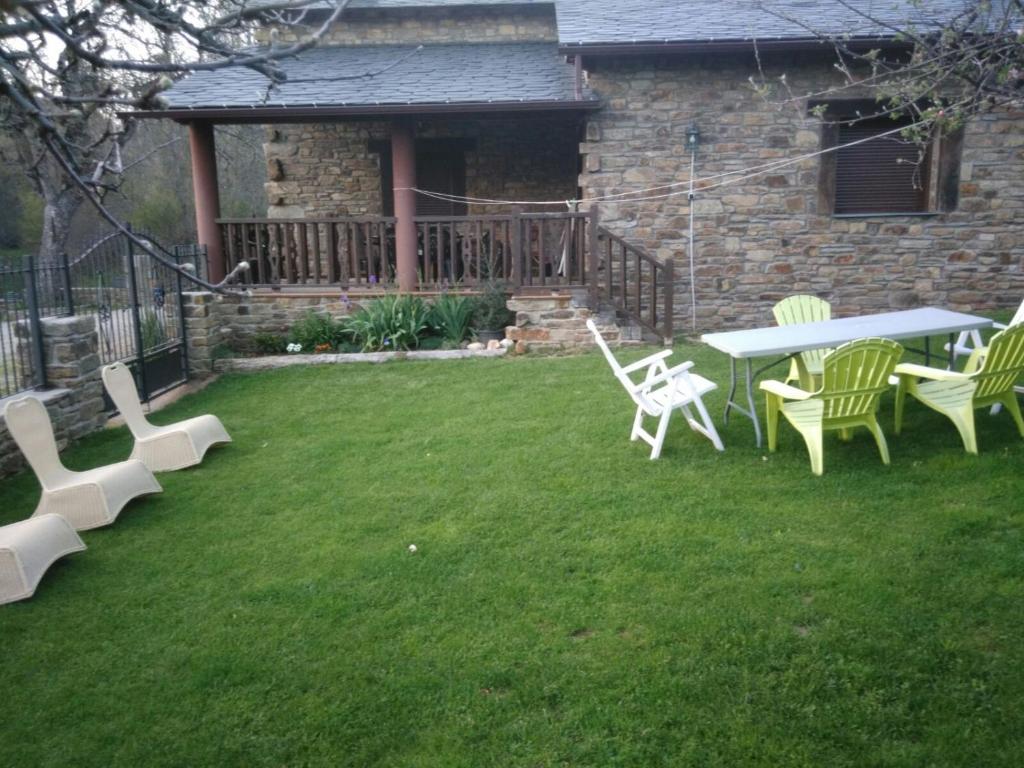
(403, 169)
(207, 197)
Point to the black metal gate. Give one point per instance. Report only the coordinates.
(139, 309)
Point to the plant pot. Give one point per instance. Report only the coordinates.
(486, 336)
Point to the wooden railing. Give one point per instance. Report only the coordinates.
(523, 249)
(342, 251)
(636, 283)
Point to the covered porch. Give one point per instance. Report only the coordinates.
(422, 173)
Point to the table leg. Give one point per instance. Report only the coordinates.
(732, 390)
(750, 403)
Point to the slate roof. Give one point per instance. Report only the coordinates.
(457, 74)
(388, 4)
(593, 22)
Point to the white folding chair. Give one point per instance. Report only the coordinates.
(28, 548)
(662, 391)
(162, 449)
(968, 341)
(85, 499)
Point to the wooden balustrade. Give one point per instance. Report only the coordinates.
(348, 251)
(637, 284)
(525, 250)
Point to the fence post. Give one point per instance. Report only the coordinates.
(670, 267)
(133, 284)
(516, 246)
(66, 269)
(35, 328)
(592, 287)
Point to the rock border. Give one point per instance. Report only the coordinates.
(270, 362)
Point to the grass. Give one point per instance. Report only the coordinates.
(571, 603)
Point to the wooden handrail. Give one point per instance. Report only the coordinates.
(633, 290)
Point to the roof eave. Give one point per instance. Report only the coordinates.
(745, 45)
(313, 113)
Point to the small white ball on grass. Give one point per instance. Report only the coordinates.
(412, 549)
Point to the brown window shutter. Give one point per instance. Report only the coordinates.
(881, 175)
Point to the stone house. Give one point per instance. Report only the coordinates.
(440, 142)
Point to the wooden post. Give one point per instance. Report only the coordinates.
(403, 169)
(207, 197)
(592, 286)
(670, 269)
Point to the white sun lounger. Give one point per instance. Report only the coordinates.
(162, 449)
(85, 499)
(28, 548)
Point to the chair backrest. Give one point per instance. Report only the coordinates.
(29, 425)
(1003, 364)
(120, 385)
(802, 308)
(855, 375)
(1018, 316)
(616, 368)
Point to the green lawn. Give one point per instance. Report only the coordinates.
(571, 603)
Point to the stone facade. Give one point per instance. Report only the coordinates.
(329, 169)
(75, 398)
(450, 25)
(763, 238)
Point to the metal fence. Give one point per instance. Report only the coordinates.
(29, 292)
(135, 302)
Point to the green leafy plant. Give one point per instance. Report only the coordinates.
(492, 312)
(451, 316)
(316, 330)
(268, 343)
(153, 332)
(389, 323)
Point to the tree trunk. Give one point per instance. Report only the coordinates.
(59, 209)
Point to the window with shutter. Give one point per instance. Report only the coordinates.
(884, 174)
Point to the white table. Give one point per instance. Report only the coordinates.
(789, 340)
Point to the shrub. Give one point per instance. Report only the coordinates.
(450, 316)
(152, 329)
(315, 330)
(492, 312)
(268, 343)
(389, 323)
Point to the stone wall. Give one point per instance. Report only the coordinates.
(559, 321)
(762, 239)
(439, 25)
(75, 398)
(327, 169)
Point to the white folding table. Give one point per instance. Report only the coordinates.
(789, 340)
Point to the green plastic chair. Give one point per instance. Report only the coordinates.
(987, 379)
(854, 376)
(803, 308)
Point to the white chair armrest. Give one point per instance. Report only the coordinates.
(784, 391)
(647, 362)
(661, 378)
(925, 372)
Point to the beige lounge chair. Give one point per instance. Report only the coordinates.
(28, 548)
(85, 499)
(162, 449)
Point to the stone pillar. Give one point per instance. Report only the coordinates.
(207, 196)
(201, 331)
(403, 165)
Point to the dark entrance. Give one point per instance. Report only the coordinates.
(440, 167)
